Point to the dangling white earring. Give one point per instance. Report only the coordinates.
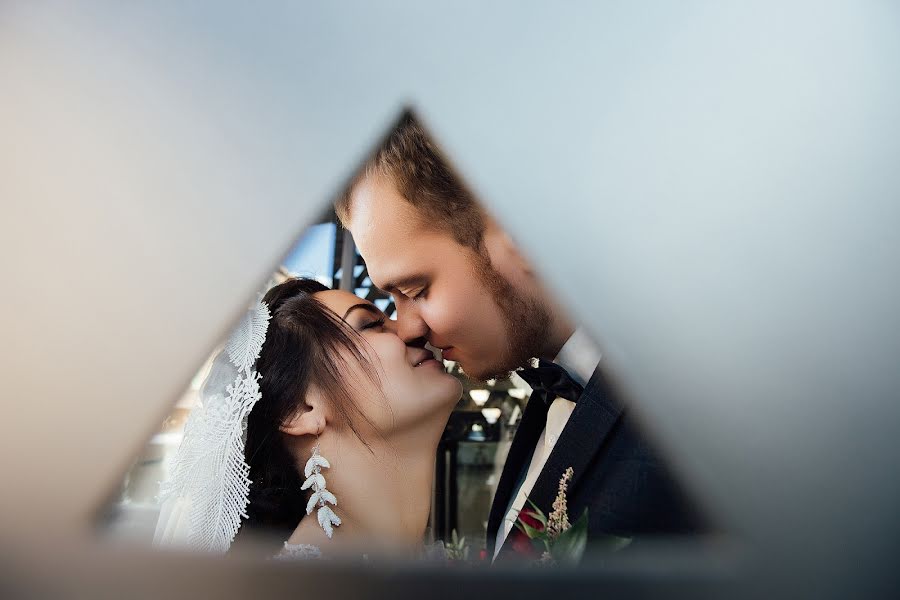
(320, 496)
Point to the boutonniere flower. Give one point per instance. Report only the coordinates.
(554, 539)
(559, 539)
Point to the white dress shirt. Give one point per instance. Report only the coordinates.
(579, 357)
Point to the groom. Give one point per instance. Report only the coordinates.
(461, 284)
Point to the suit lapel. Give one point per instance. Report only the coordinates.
(595, 414)
(520, 451)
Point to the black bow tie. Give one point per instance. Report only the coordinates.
(552, 379)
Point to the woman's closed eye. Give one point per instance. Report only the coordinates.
(375, 324)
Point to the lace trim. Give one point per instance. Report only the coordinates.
(299, 552)
(430, 552)
(211, 479)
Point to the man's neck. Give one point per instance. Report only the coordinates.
(560, 330)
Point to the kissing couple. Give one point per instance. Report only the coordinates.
(320, 421)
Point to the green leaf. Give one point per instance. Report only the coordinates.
(569, 546)
(582, 522)
(537, 513)
(456, 548)
(610, 543)
(531, 532)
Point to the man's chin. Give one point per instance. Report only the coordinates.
(484, 375)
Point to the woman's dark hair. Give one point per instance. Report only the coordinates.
(305, 344)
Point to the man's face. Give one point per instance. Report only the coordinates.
(440, 293)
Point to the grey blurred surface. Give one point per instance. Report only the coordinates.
(727, 172)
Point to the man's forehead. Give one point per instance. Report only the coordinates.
(377, 194)
(393, 268)
(377, 210)
(403, 261)
(389, 232)
(387, 248)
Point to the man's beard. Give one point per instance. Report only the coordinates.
(526, 321)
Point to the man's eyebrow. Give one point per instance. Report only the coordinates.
(362, 306)
(405, 282)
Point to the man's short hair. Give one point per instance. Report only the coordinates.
(414, 164)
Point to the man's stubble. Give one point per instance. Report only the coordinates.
(526, 322)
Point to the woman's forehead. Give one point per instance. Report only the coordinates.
(338, 300)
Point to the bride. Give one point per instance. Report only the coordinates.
(317, 425)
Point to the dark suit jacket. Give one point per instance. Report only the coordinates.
(618, 475)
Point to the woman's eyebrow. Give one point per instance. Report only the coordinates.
(362, 306)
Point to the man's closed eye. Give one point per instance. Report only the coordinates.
(419, 295)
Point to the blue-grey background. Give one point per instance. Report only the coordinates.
(725, 173)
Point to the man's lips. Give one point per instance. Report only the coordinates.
(448, 353)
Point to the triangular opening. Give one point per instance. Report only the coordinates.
(444, 271)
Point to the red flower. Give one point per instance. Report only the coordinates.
(523, 545)
(528, 518)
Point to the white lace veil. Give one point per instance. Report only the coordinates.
(204, 500)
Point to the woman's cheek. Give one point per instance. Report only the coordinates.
(392, 355)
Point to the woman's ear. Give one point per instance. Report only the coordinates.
(308, 421)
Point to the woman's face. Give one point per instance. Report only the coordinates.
(416, 386)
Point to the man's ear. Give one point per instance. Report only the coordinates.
(311, 419)
(504, 252)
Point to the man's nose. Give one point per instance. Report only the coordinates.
(410, 325)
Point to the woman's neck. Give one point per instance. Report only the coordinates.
(383, 495)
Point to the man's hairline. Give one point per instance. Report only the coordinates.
(347, 203)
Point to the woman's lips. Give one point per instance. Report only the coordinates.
(429, 361)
